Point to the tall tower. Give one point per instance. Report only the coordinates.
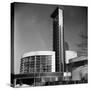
(58, 38)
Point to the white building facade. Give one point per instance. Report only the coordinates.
(79, 66)
(69, 55)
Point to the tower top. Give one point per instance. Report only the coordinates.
(55, 13)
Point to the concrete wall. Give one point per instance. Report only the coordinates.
(79, 72)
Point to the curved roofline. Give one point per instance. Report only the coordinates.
(33, 53)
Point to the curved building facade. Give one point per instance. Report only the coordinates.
(38, 68)
(39, 61)
(79, 68)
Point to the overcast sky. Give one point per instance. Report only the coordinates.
(33, 28)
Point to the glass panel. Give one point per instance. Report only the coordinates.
(37, 63)
(26, 65)
(31, 64)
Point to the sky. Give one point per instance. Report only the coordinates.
(33, 28)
